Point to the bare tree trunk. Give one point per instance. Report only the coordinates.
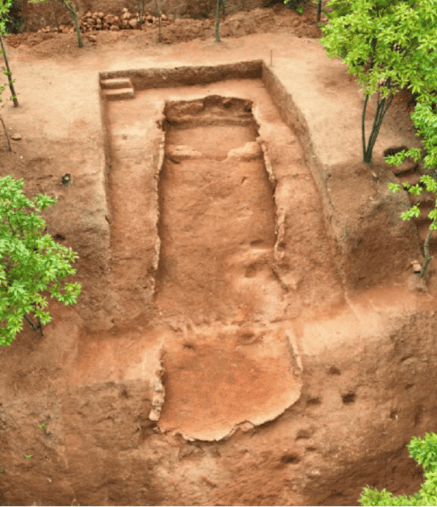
(6, 132)
(70, 7)
(319, 11)
(8, 73)
(141, 11)
(217, 21)
(158, 11)
(428, 256)
(221, 5)
(55, 16)
(381, 109)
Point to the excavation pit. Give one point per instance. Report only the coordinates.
(217, 213)
(95, 372)
(200, 215)
(214, 220)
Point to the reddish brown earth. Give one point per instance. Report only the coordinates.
(250, 330)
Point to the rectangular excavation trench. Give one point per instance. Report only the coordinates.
(217, 213)
(195, 229)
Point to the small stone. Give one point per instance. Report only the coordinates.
(133, 23)
(154, 415)
(416, 266)
(158, 387)
(101, 15)
(109, 19)
(114, 28)
(16, 137)
(125, 23)
(164, 17)
(124, 9)
(92, 38)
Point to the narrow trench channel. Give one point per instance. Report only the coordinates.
(217, 214)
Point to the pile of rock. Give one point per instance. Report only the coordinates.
(94, 21)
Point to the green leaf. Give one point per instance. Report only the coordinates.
(415, 189)
(394, 187)
(30, 262)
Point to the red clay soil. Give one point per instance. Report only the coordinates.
(250, 330)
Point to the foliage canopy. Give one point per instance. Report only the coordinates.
(30, 262)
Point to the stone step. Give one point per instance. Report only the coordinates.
(111, 84)
(119, 94)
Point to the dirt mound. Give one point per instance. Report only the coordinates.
(57, 45)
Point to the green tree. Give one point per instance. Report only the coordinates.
(7, 72)
(389, 45)
(424, 451)
(5, 6)
(15, 22)
(425, 121)
(294, 4)
(2, 89)
(30, 262)
(220, 6)
(4, 13)
(68, 4)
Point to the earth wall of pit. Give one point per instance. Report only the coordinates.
(38, 16)
(359, 227)
(370, 240)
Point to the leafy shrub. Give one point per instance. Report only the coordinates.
(30, 262)
(424, 451)
(15, 22)
(295, 4)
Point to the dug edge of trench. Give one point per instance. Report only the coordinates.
(343, 217)
(366, 316)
